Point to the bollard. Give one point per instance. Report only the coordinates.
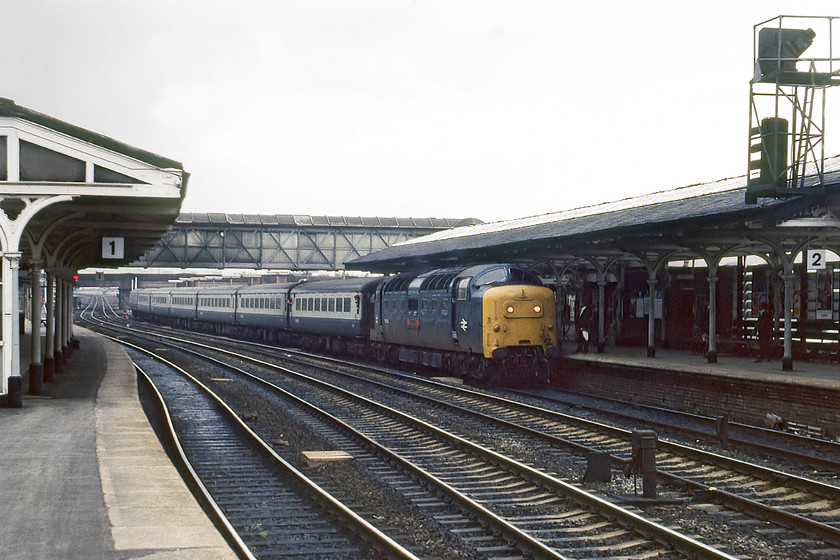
(722, 428)
(644, 460)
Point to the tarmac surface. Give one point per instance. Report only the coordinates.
(84, 477)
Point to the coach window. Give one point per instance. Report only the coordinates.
(331, 304)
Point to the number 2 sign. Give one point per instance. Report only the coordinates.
(815, 259)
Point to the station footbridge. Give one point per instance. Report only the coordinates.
(282, 241)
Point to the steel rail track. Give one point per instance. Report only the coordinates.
(755, 431)
(826, 532)
(214, 446)
(728, 437)
(621, 516)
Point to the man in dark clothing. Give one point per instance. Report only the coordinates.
(765, 333)
(582, 326)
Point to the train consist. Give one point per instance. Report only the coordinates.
(488, 323)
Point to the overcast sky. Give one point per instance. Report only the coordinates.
(444, 108)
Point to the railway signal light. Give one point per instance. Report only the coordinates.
(769, 141)
(778, 50)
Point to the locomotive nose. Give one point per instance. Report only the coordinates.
(518, 318)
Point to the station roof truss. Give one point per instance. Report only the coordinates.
(706, 221)
(64, 188)
(282, 241)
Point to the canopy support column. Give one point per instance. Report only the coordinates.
(59, 322)
(651, 345)
(49, 339)
(36, 368)
(12, 383)
(711, 355)
(787, 359)
(602, 285)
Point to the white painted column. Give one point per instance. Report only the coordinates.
(59, 321)
(36, 367)
(68, 332)
(49, 346)
(12, 383)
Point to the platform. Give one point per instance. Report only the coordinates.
(84, 476)
(816, 374)
(739, 388)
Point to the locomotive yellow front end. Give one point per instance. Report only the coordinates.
(519, 319)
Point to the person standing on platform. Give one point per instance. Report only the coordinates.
(764, 328)
(582, 325)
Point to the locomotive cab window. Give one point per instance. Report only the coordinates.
(492, 277)
(463, 288)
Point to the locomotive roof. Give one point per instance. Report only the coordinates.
(682, 210)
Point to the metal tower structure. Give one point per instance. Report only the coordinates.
(788, 103)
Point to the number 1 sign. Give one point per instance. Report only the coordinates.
(113, 247)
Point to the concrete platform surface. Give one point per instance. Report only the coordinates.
(84, 477)
(819, 374)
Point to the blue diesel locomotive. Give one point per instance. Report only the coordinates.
(487, 323)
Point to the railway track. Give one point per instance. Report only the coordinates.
(709, 485)
(539, 514)
(271, 510)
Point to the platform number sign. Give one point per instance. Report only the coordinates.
(816, 259)
(113, 247)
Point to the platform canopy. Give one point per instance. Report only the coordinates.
(681, 224)
(69, 199)
(64, 189)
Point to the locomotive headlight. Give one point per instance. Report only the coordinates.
(537, 308)
(510, 309)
